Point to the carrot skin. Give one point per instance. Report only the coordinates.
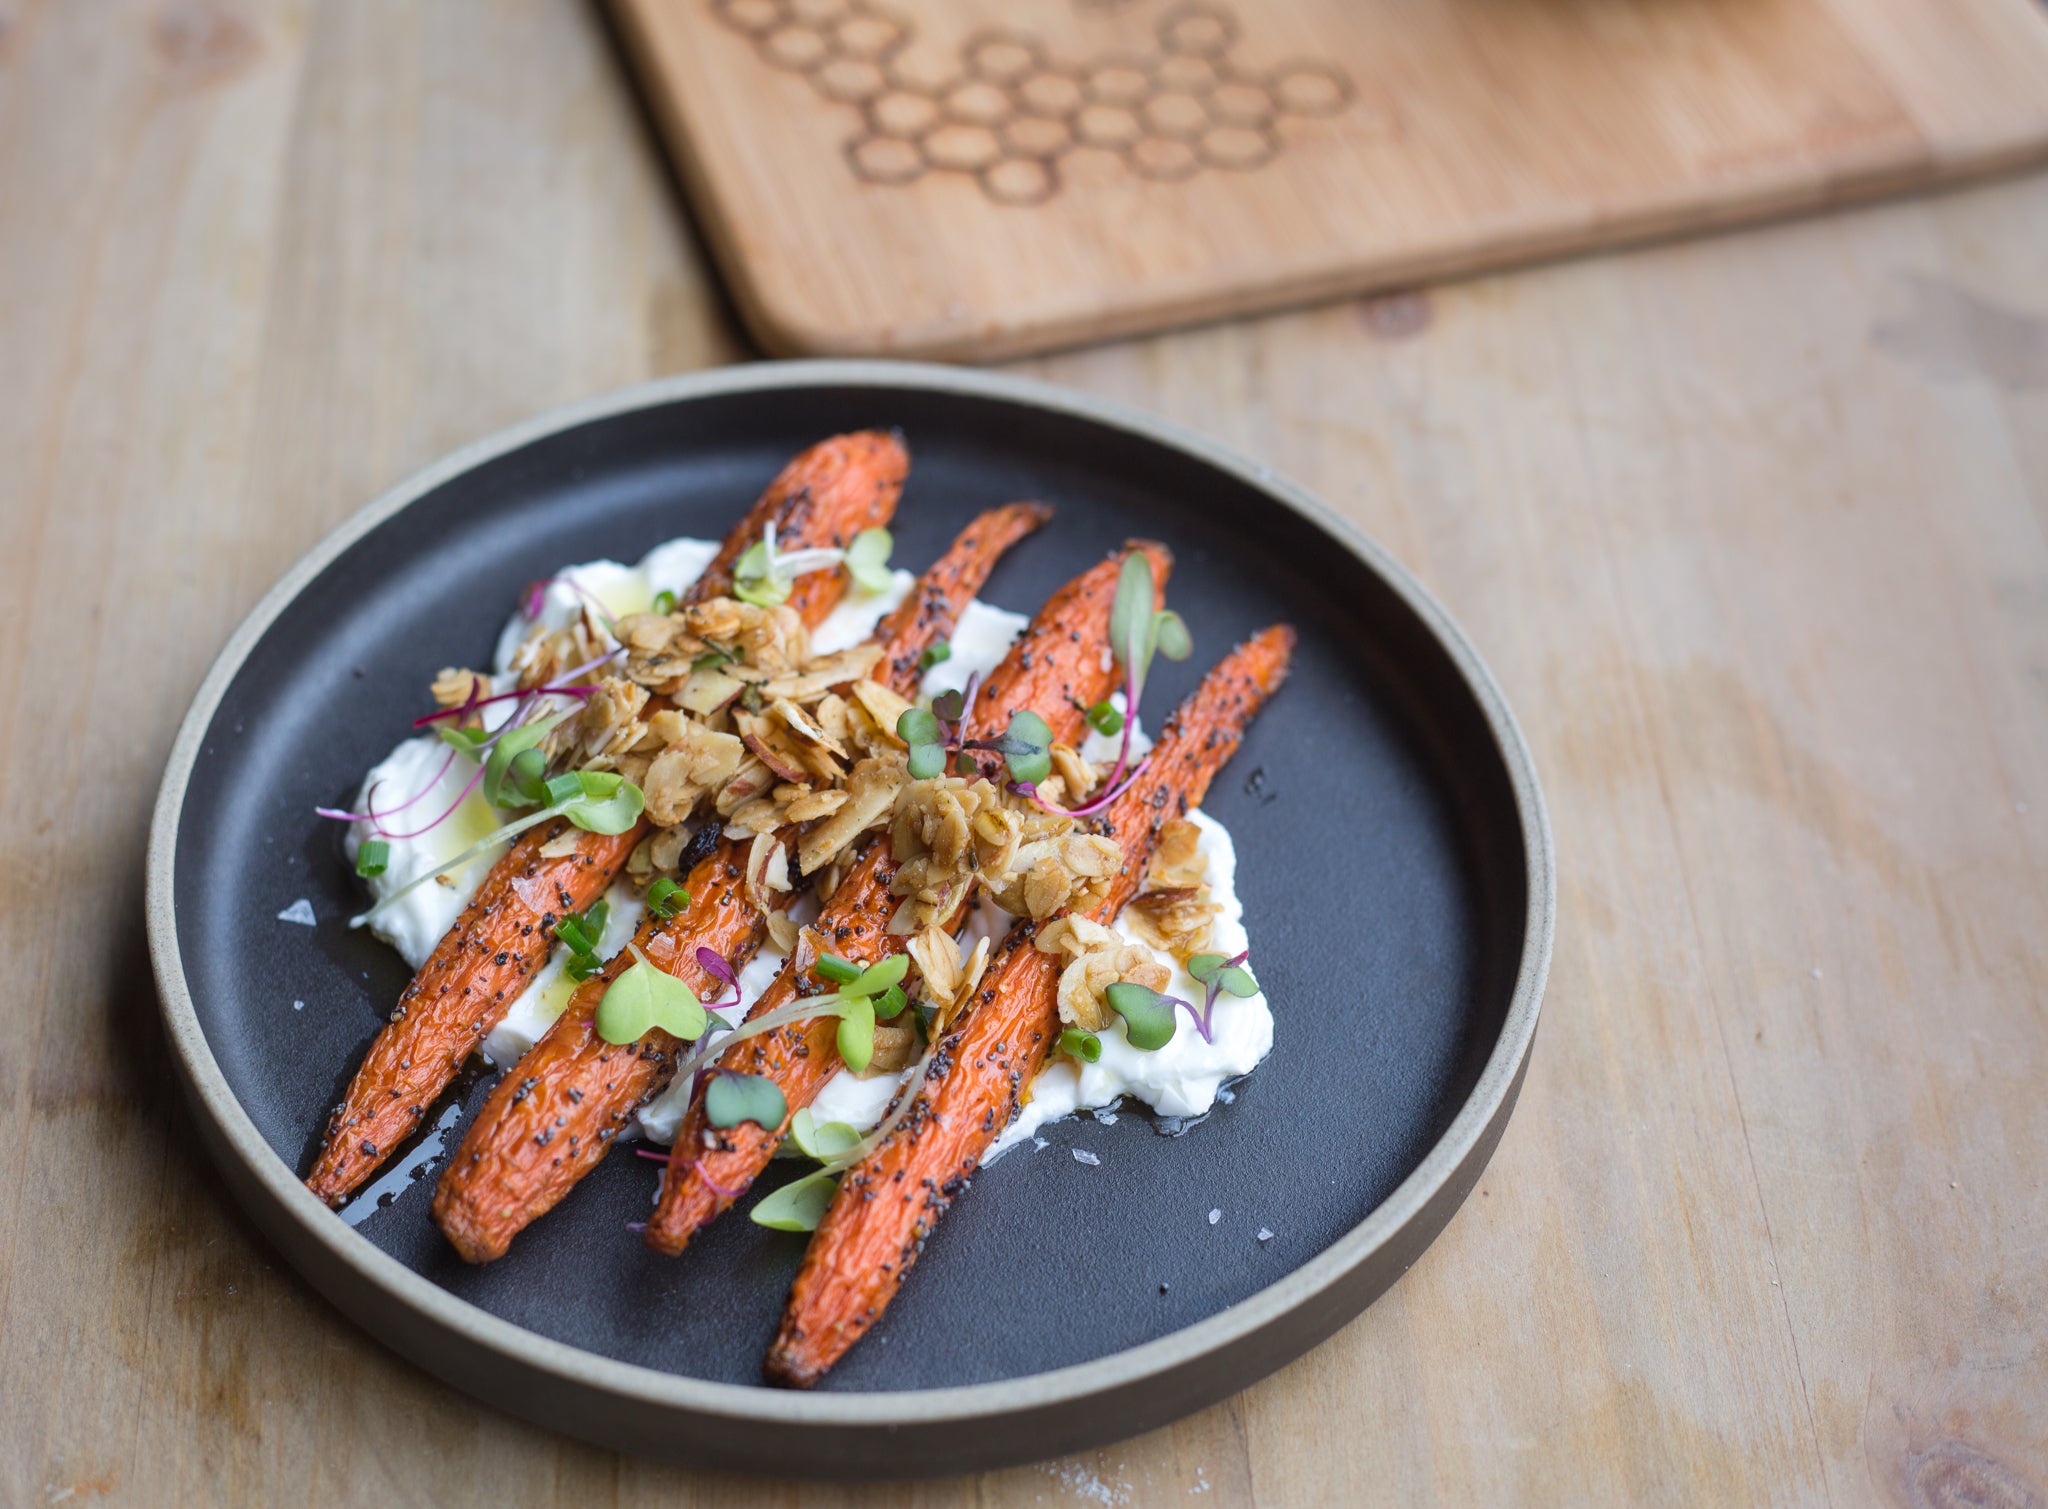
(577, 1091)
(887, 1205)
(823, 497)
(1057, 669)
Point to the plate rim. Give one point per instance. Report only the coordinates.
(639, 1386)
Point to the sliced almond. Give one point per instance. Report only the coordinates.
(883, 705)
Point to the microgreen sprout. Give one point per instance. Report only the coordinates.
(764, 575)
(938, 742)
(1148, 1015)
(597, 801)
(1137, 631)
(646, 997)
(801, 1205)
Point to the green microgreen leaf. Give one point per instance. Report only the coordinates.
(1105, 719)
(665, 898)
(1238, 981)
(1204, 966)
(512, 743)
(373, 857)
(867, 559)
(964, 766)
(1130, 618)
(799, 1206)
(950, 705)
(856, 1034)
(823, 1141)
(527, 775)
(664, 601)
(1148, 1015)
(937, 654)
(610, 803)
(926, 761)
(733, 1098)
(916, 726)
(839, 971)
(1027, 747)
(877, 978)
(464, 739)
(644, 998)
(754, 578)
(1085, 1046)
(890, 1002)
(1170, 635)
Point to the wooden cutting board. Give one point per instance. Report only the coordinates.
(977, 178)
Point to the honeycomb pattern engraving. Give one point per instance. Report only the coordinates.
(1009, 112)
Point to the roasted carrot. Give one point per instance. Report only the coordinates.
(546, 1125)
(1057, 668)
(822, 498)
(886, 1205)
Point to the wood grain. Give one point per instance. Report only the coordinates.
(1752, 531)
(981, 178)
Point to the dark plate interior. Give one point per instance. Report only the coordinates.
(1382, 867)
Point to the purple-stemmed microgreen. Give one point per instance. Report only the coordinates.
(537, 599)
(764, 575)
(938, 742)
(1137, 631)
(1148, 1014)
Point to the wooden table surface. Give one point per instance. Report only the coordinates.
(1751, 529)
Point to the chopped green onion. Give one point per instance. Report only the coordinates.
(373, 857)
(1085, 1046)
(582, 966)
(839, 971)
(664, 601)
(570, 930)
(665, 898)
(1105, 719)
(890, 1002)
(565, 788)
(937, 654)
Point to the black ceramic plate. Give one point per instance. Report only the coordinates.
(1394, 865)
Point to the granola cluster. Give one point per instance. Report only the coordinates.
(1096, 959)
(1174, 912)
(950, 832)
